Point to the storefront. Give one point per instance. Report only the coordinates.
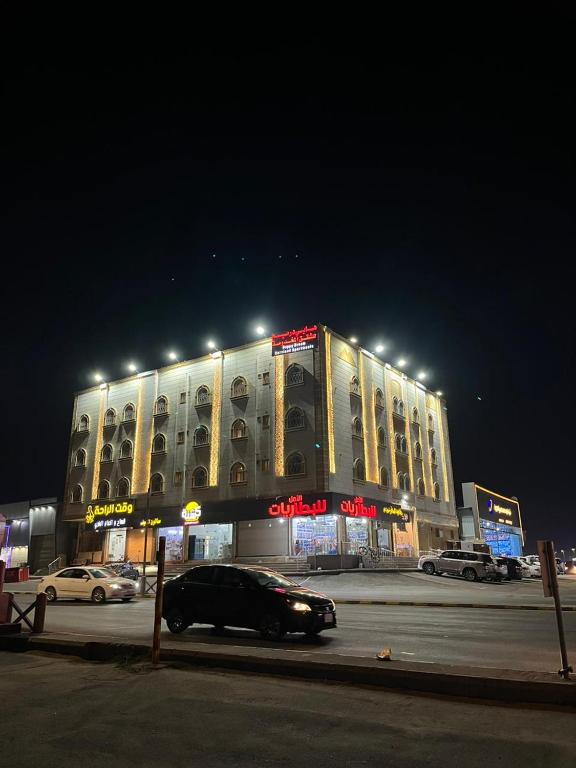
(492, 519)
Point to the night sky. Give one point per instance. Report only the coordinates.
(151, 204)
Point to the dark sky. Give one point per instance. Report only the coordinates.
(427, 201)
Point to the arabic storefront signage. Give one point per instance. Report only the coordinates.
(192, 513)
(295, 506)
(295, 341)
(396, 512)
(356, 508)
(498, 509)
(150, 522)
(105, 524)
(119, 509)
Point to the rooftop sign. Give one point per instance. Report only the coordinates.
(295, 341)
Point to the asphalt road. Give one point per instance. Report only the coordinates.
(509, 639)
(62, 712)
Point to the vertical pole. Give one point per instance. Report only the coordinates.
(40, 612)
(158, 601)
(143, 586)
(553, 581)
(2, 574)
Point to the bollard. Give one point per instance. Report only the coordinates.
(40, 612)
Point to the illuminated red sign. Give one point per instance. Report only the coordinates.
(355, 508)
(295, 341)
(295, 507)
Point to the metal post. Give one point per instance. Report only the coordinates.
(40, 612)
(2, 574)
(143, 585)
(158, 601)
(550, 586)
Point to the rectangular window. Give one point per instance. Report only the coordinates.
(266, 421)
(182, 397)
(180, 438)
(178, 477)
(265, 465)
(266, 377)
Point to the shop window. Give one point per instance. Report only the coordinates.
(238, 429)
(209, 542)
(239, 387)
(415, 416)
(430, 422)
(123, 487)
(294, 419)
(129, 413)
(418, 450)
(295, 464)
(266, 377)
(182, 398)
(159, 443)
(381, 437)
(126, 449)
(357, 428)
(178, 477)
(379, 398)
(107, 453)
(359, 470)
(161, 406)
(437, 491)
(203, 395)
(354, 386)
(84, 423)
(237, 473)
(157, 483)
(104, 489)
(315, 536)
(110, 417)
(200, 477)
(266, 421)
(201, 435)
(294, 375)
(180, 438)
(80, 458)
(433, 457)
(356, 534)
(421, 488)
(384, 481)
(77, 494)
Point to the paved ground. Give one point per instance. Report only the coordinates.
(511, 639)
(59, 712)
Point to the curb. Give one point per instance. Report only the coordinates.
(463, 682)
(491, 606)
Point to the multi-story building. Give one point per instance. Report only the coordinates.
(285, 446)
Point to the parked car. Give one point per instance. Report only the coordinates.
(473, 566)
(242, 596)
(516, 569)
(533, 563)
(560, 567)
(125, 569)
(90, 583)
(501, 568)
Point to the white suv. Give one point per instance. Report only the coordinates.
(473, 566)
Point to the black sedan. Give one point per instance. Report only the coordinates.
(241, 596)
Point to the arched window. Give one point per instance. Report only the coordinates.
(294, 418)
(129, 413)
(407, 482)
(239, 387)
(379, 398)
(106, 454)
(430, 422)
(238, 429)
(237, 473)
(437, 491)
(110, 417)
(381, 437)
(80, 458)
(159, 443)
(421, 488)
(418, 450)
(294, 375)
(433, 457)
(359, 470)
(203, 395)
(161, 406)
(123, 487)
(157, 483)
(84, 423)
(77, 494)
(104, 489)
(395, 404)
(384, 477)
(295, 464)
(415, 416)
(354, 386)
(126, 449)
(403, 445)
(357, 429)
(199, 478)
(398, 441)
(403, 481)
(400, 408)
(201, 435)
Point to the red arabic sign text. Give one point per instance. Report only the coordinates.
(295, 507)
(355, 508)
(295, 341)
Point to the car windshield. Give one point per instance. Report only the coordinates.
(100, 573)
(271, 579)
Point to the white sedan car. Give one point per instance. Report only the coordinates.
(533, 563)
(87, 583)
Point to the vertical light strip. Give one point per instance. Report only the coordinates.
(98, 448)
(279, 416)
(330, 403)
(215, 421)
(426, 447)
(391, 435)
(441, 428)
(408, 433)
(142, 447)
(369, 421)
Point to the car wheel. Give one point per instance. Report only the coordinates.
(98, 595)
(470, 574)
(126, 599)
(429, 568)
(50, 594)
(271, 627)
(175, 623)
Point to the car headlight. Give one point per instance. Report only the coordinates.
(116, 586)
(301, 607)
